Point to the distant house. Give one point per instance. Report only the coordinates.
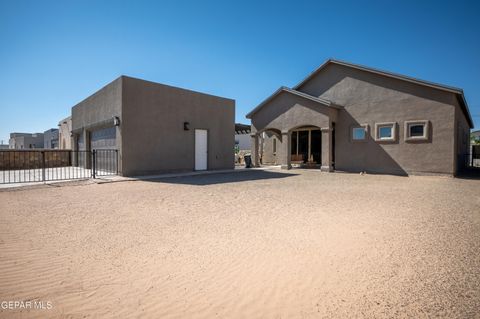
(26, 141)
(475, 136)
(4, 146)
(243, 139)
(65, 134)
(349, 117)
(50, 139)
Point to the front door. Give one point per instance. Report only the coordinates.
(201, 148)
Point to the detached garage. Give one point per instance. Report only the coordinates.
(156, 128)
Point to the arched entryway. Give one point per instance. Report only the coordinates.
(269, 142)
(304, 126)
(306, 146)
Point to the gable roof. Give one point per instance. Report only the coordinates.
(451, 89)
(319, 100)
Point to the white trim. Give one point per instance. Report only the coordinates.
(393, 126)
(425, 135)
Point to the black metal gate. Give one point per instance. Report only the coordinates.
(26, 166)
(472, 160)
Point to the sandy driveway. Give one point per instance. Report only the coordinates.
(246, 245)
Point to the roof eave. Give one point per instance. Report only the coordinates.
(433, 85)
(381, 72)
(468, 115)
(294, 92)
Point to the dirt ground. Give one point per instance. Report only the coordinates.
(258, 244)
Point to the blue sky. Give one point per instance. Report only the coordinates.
(54, 54)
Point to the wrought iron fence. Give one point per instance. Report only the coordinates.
(471, 160)
(105, 162)
(26, 166)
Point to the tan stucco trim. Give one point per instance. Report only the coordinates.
(426, 131)
(386, 140)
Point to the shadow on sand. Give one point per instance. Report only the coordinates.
(222, 178)
(469, 173)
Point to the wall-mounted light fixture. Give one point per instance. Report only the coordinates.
(116, 121)
(186, 126)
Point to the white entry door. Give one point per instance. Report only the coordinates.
(201, 150)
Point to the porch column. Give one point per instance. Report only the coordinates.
(327, 150)
(254, 151)
(286, 150)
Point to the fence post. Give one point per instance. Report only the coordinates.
(94, 162)
(116, 162)
(43, 166)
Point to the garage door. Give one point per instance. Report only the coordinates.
(104, 142)
(103, 139)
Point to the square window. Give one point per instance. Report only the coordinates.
(358, 133)
(416, 131)
(385, 132)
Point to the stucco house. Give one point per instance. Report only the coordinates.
(353, 118)
(50, 138)
(20, 141)
(242, 137)
(475, 136)
(156, 128)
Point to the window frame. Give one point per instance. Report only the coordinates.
(365, 127)
(392, 125)
(426, 129)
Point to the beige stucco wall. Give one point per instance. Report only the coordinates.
(100, 106)
(367, 99)
(268, 156)
(286, 112)
(151, 138)
(154, 139)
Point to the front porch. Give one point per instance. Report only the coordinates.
(304, 147)
(302, 128)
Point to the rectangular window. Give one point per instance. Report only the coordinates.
(416, 131)
(385, 132)
(274, 145)
(358, 133)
